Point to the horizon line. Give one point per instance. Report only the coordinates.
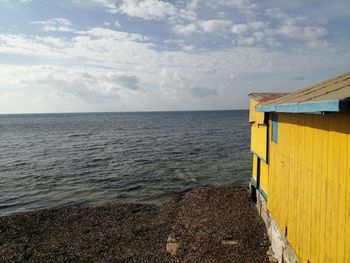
(148, 111)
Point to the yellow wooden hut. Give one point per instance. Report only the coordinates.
(301, 170)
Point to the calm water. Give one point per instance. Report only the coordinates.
(55, 160)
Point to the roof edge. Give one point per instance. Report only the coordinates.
(303, 107)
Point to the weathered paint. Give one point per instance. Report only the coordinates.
(309, 184)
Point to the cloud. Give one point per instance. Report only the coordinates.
(214, 25)
(189, 63)
(105, 33)
(145, 9)
(129, 82)
(186, 29)
(202, 92)
(240, 28)
(54, 24)
(306, 33)
(207, 26)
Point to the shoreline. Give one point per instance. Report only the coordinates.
(206, 224)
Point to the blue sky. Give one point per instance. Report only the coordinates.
(145, 55)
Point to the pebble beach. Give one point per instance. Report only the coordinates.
(206, 224)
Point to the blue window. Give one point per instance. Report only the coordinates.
(274, 127)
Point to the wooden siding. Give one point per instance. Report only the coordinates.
(258, 143)
(309, 184)
(264, 177)
(255, 167)
(254, 116)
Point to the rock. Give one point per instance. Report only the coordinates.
(229, 242)
(172, 246)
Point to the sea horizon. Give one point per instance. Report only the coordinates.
(146, 111)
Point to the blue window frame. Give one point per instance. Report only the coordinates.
(274, 127)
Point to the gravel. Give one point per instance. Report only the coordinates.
(207, 224)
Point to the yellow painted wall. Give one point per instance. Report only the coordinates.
(255, 116)
(258, 137)
(262, 142)
(254, 137)
(264, 176)
(255, 167)
(259, 144)
(309, 184)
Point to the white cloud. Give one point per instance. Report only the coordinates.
(275, 13)
(38, 46)
(147, 9)
(101, 68)
(244, 28)
(54, 24)
(214, 25)
(235, 3)
(256, 25)
(207, 26)
(186, 29)
(111, 34)
(306, 33)
(240, 28)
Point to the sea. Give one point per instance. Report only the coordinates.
(81, 159)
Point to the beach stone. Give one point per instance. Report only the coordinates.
(189, 228)
(229, 242)
(172, 246)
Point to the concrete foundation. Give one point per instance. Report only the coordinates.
(279, 244)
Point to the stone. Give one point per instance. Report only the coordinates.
(172, 246)
(229, 242)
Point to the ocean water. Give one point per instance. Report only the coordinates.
(57, 160)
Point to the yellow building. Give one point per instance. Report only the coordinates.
(301, 170)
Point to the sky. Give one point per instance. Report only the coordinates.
(152, 55)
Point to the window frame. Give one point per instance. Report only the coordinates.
(274, 128)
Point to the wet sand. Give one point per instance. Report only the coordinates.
(208, 224)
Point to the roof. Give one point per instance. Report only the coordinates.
(266, 96)
(332, 95)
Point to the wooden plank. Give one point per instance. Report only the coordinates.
(254, 138)
(347, 226)
(254, 168)
(329, 196)
(262, 142)
(334, 182)
(317, 166)
(299, 185)
(308, 147)
(342, 188)
(323, 188)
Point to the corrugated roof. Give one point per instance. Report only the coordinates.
(326, 96)
(266, 96)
